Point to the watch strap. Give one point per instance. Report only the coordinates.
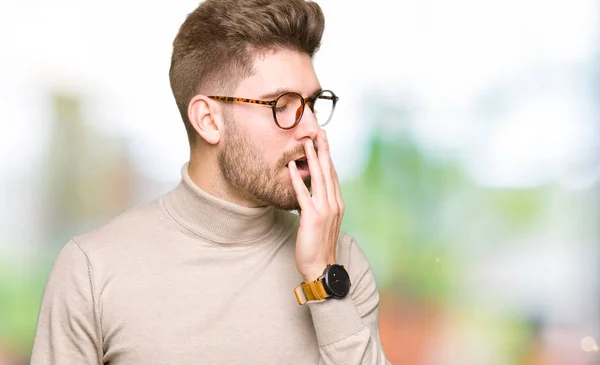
(314, 290)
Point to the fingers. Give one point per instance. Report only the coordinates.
(338, 193)
(327, 168)
(324, 178)
(302, 193)
(316, 175)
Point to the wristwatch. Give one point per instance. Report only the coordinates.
(334, 283)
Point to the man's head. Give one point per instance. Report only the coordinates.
(255, 49)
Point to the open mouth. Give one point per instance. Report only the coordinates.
(301, 163)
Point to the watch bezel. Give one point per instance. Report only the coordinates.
(326, 280)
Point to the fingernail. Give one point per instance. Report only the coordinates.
(292, 164)
(324, 135)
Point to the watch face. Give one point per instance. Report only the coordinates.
(337, 280)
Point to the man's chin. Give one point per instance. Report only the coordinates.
(289, 203)
(284, 200)
(283, 196)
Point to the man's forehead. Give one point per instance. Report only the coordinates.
(277, 72)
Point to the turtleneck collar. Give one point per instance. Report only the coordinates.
(215, 219)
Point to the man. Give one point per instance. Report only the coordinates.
(218, 271)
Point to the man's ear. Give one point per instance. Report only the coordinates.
(206, 118)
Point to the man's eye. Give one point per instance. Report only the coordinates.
(281, 108)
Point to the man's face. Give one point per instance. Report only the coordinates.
(255, 150)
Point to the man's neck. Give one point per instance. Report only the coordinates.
(214, 218)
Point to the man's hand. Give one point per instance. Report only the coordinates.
(320, 214)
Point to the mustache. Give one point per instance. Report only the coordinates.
(294, 153)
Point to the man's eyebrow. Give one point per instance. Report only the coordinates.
(274, 94)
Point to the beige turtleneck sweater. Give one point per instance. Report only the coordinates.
(193, 279)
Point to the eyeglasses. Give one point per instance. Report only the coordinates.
(288, 108)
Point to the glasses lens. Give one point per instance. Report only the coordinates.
(323, 108)
(288, 109)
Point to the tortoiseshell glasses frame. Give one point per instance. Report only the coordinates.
(324, 95)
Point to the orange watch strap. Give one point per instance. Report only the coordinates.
(311, 291)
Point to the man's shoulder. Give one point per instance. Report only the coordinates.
(136, 222)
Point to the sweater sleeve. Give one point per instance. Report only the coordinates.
(348, 329)
(68, 330)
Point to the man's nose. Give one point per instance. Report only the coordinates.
(308, 125)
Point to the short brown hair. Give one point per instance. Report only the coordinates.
(215, 46)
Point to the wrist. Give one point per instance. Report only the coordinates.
(313, 272)
(312, 276)
(335, 283)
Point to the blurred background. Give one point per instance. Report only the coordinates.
(467, 139)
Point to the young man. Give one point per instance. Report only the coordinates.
(218, 271)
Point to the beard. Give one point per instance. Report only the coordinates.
(244, 168)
